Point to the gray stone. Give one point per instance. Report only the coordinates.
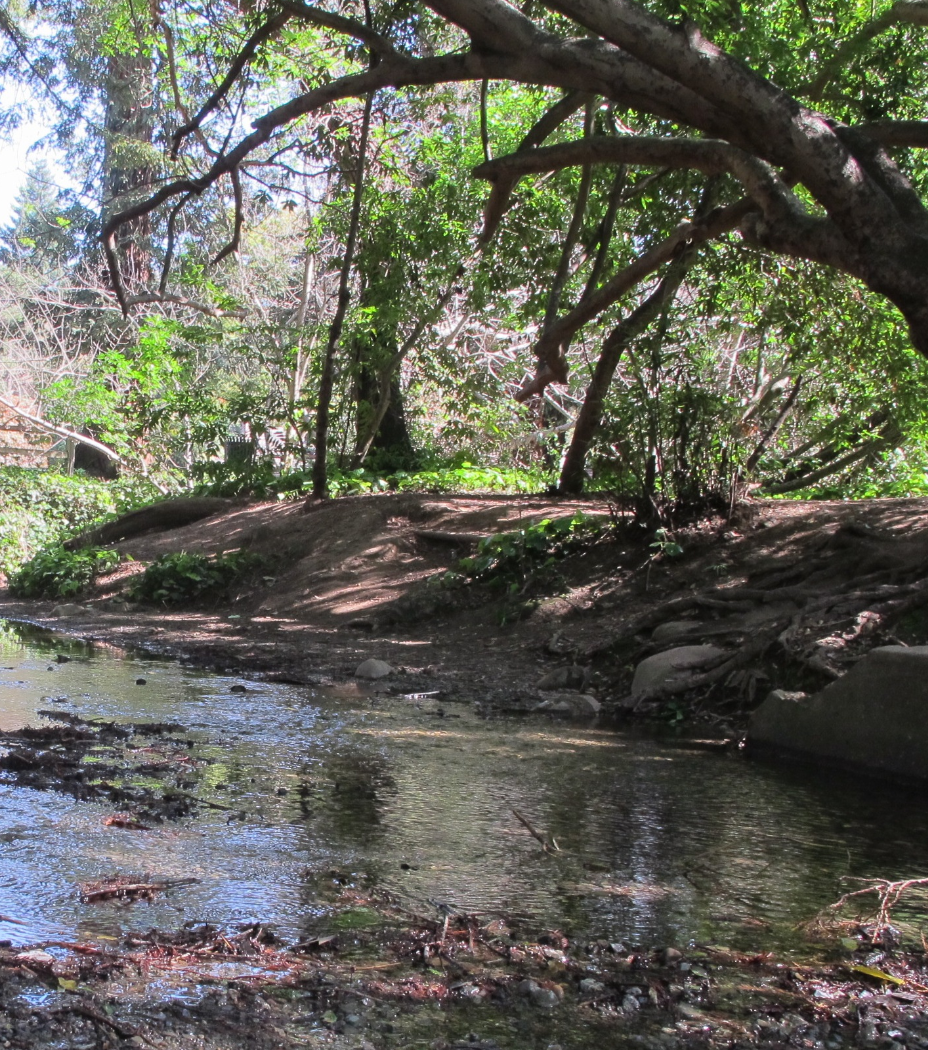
(671, 669)
(590, 986)
(675, 630)
(373, 669)
(71, 609)
(540, 996)
(875, 717)
(571, 677)
(570, 705)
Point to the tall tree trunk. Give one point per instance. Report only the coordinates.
(127, 170)
(326, 383)
(618, 340)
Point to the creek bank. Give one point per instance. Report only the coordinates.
(873, 718)
(397, 979)
(782, 595)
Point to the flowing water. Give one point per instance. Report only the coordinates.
(661, 843)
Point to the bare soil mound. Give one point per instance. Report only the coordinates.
(790, 593)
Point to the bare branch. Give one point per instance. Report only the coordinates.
(262, 33)
(236, 240)
(169, 251)
(63, 432)
(179, 300)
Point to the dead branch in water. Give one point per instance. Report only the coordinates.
(549, 845)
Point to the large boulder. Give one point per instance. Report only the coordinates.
(671, 670)
(875, 717)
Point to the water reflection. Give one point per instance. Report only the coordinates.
(312, 793)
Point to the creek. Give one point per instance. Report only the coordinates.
(661, 841)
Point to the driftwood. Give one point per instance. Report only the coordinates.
(454, 539)
(167, 514)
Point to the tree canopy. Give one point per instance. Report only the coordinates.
(691, 241)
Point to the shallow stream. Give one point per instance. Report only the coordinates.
(660, 842)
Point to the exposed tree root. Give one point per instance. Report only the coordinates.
(852, 596)
(168, 514)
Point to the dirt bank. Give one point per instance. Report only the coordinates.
(789, 593)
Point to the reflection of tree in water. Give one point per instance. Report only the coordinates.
(342, 795)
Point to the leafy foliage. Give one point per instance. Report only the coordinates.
(40, 508)
(182, 578)
(59, 573)
(507, 558)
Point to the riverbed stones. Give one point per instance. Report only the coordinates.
(373, 669)
(875, 717)
(561, 678)
(570, 705)
(670, 670)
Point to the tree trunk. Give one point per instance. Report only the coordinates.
(326, 383)
(127, 171)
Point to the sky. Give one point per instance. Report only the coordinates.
(15, 155)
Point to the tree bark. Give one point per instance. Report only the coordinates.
(627, 330)
(326, 383)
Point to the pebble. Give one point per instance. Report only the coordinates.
(589, 986)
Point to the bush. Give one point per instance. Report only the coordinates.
(59, 573)
(41, 509)
(182, 579)
(508, 557)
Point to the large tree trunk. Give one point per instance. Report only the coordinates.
(127, 170)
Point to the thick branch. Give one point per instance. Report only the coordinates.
(501, 193)
(232, 247)
(896, 133)
(63, 432)
(373, 40)
(262, 33)
(718, 221)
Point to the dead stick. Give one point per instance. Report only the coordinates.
(546, 845)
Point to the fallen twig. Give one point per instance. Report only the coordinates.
(549, 845)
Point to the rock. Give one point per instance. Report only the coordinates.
(570, 705)
(675, 630)
(373, 669)
(873, 718)
(671, 669)
(36, 958)
(540, 996)
(572, 678)
(69, 609)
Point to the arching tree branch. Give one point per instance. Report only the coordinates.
(264, 32)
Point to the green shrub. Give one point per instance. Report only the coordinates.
(258, 480)
(182, 579)
(41, 509)
(59, 573)
(507, 558)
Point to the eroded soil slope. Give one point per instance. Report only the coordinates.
(790, 593)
